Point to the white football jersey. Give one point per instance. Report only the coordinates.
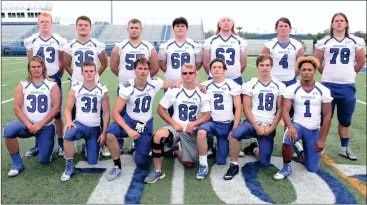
(264, 98)
(176, 55)
(139, 102)
(284, 58)
(37, 100)
(308, 104)
(128, 55)
(339, 58)
(229, 50)
(186, 104)
(221, 99)
(81, 52)
(88, 104)
(48, 49)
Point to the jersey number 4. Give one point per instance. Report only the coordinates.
(284, 61)
(39, 103)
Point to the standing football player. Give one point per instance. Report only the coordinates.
(343, 56)
(49, 46)
(187, 102)
(224, 95)
(36, 103)
(309, 99)
(262, 107)
(123, 56)
(89, 97)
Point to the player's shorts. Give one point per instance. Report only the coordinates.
(143, 145)
(221, 130)
(44, 137)
(344, 99)
(188, 144)
(246, 131)
(309, 140)
(57, 78)
(90, 135)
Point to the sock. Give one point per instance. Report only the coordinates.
(16, 158)
(158, 170)
(203, 160)
(117, 162)
(253, 151)
(235, 163)
(344, 142)
(61, 142)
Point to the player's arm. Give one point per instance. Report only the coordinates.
(67, 63)
(277, 117)
(205, 116)
(319, 54)
(55, 103)
(198, 65)
(265, 50)
(326, 111)
(29, 54)
(18, 104)
(247, 110)
(206, 60)
(103, 59)
(286, 107)
(69, 106)
(115, 60)
(120, 104)
(106, 111)
(61, 61)
(360, 60)
(163, 65)
(300, 53)
(238, 110)
(243, 60)
(154, 64)
(162, 112)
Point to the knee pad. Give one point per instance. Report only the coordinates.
(159, 146)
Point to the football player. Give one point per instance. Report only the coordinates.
(89, 97)
(343, 55)
(309, 99)
(49, 46)
(224, 95)
(36, 103)
(187, 102)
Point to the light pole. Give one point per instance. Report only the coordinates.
(239, 28)
(111, 13)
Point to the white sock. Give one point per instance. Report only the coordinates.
(253, 151)
(235, 163)
(203, 160)
(299, 146)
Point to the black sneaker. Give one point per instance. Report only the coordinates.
(249, 150)
(232, 171)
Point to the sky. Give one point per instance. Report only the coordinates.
(260, 16)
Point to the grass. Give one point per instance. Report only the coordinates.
(41, 184)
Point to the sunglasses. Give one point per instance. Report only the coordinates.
(188, 73)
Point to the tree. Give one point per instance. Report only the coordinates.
(361, 35)
(209, 34)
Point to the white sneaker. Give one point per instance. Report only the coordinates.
(347, 153)
(105, 151)
(13, 172)
(241, 154)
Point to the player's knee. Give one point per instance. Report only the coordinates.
(159, 135)
(312, 168)
(345, 121)
(110, 137)
(236, 134)
(201, 136)
(9, 131)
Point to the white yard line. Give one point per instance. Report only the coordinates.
(364, 103)
(3, 85)
(13, 71)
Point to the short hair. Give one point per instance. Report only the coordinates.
(189, 66)
(89, 63)
(134, 21)
(331, 32)
(218, 60)
(180, 20)
(309, 59)
(264, 57)
(143, 61)
(284, 20)
(85, 18)
(45, 14)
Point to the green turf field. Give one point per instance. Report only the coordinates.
(41, 183)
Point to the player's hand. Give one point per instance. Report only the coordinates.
(69, 125)
(201, 87)
(292, 133)
(35, 128)
(178, 127)
(102, 139)
(268, 130)
(189, 128)
(260, 130)
(133, 134)
(319, 146)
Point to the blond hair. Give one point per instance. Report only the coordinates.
(45, 14)
(189, 66)
(309, 59)
(43, 64)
